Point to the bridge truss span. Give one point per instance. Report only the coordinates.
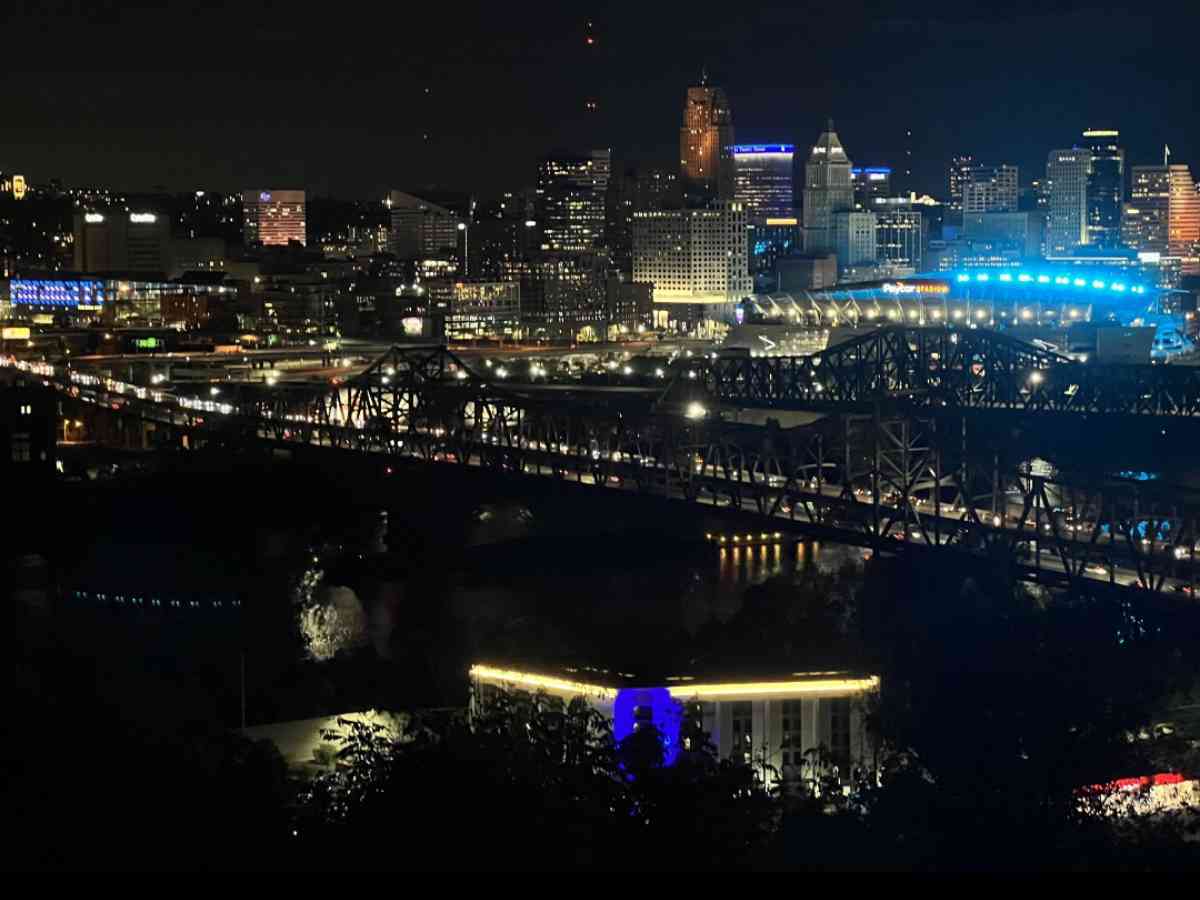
(954, 369)
(908, 479)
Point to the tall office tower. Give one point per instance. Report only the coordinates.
(1067, 172)
(827, 190)
(989, 189)
(571, 200)
(958, 175)
(273, 218)
(1163, 212)
(424, 230)
(1183, 228)
(763, 181)
(1106, 188)
(854, 238)
(693, 256)
(705, 163)
(120, 241)
(871, 186)
(618, 218)
(503, 232)
(655, 189)
(900, 238)
(1145, 216)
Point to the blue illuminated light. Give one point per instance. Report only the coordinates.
(981, 277)
(964, 277)
(1043, 279)
(1024, 277)
(1079, 282)
(763, 148)
(1006, 277)
(665, 714)
(1098, 284)
(49, 292)
(1117, 286)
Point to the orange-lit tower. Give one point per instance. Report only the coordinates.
(705, 146)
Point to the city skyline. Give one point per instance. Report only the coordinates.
(664, 438)
(364, 122)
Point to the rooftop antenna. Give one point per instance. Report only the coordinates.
(703, 75)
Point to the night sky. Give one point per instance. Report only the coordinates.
(354, 99)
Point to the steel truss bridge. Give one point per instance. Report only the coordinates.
(955, 369)
(903, 475)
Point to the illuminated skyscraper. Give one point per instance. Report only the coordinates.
(764, 182)
(988, 189)
(871, 186)
(655, 190)
(1067, 172)
(1183, 224)
(571, 197)
(424, 230)
(1106, 188)
(1163, 213)
(705, 159)
(957, 176)
(765, 189)
(273, 218)
(693, 257)
(119, 241)
(1144, 218)
(827, 190)
(854, 238)
(900, 237)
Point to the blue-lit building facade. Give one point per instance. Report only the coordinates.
(82, 300)
(764, 182)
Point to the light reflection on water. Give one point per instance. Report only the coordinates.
(738, 568)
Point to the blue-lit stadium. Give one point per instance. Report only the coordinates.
(1084, 313)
